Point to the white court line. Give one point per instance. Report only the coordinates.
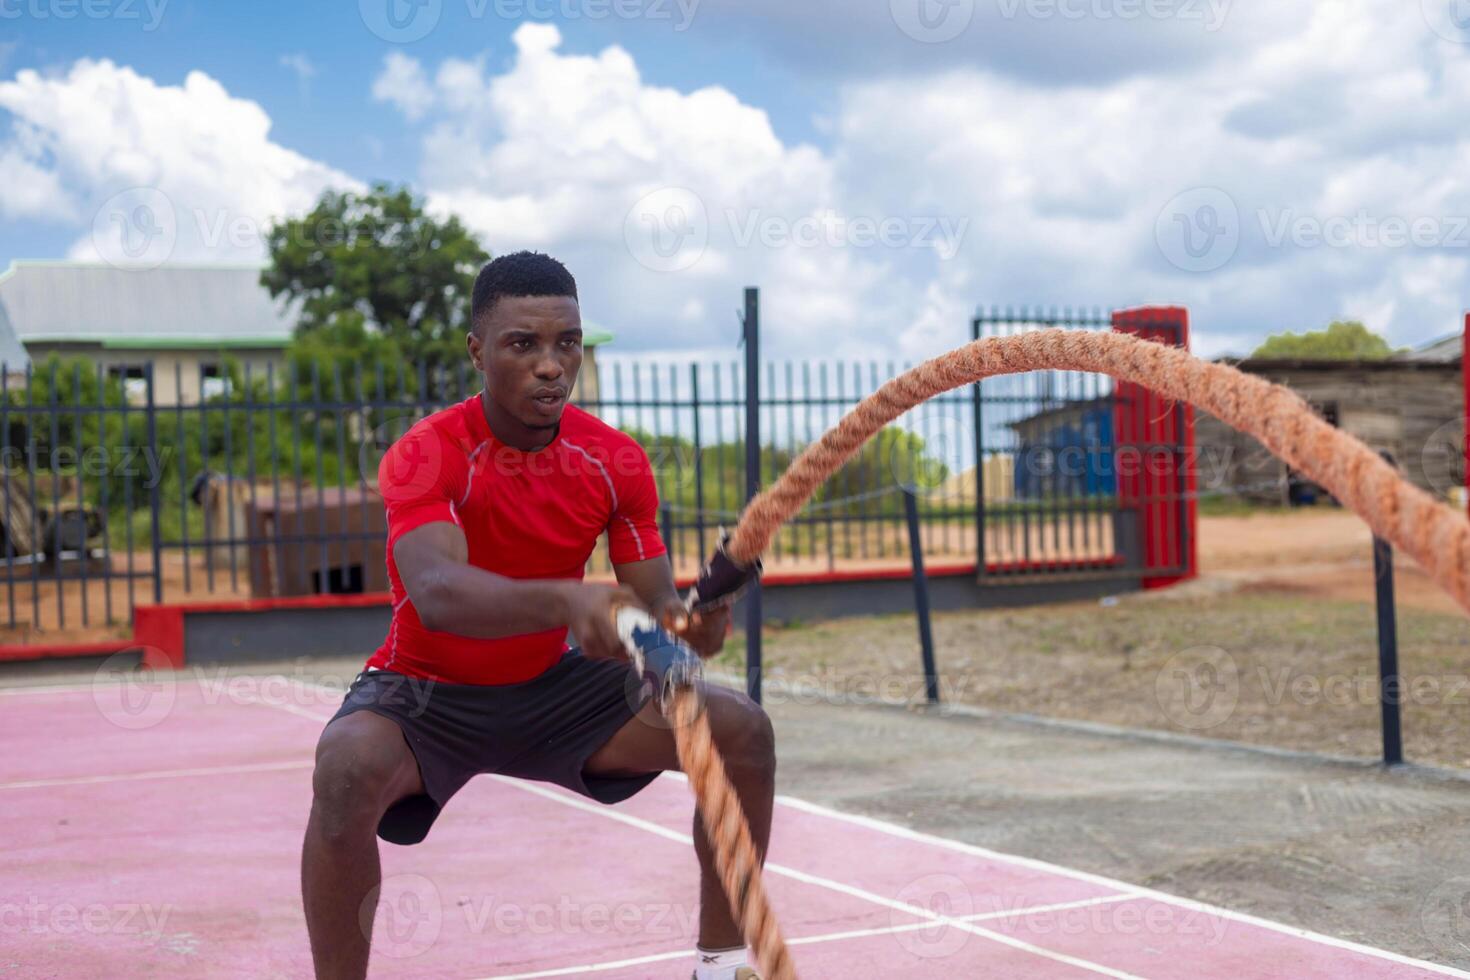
(52, 689)
(568, 800)
(809, 940)
(124, 777)
(907, 834)
(934, 918)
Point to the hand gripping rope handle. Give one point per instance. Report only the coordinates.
(1434, 534)
(722, 580)
(658, 657)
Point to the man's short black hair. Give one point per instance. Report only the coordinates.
(518, 274)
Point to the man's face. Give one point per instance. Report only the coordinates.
(529, 350)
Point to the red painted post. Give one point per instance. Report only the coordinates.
(1163, 489)
(159, 630)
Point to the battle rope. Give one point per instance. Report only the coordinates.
(1435, 535)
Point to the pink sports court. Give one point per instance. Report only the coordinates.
(148, 838)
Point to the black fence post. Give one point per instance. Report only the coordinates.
(698, 462)
(666, 513)
(751, 338)
(979, 422)
(154, 521)
(921, 596)
(1390, 684)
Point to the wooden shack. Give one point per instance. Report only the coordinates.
(1410, 407)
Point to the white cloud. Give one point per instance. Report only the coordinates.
(301, 66)
(402, 83)
(89, 145)
(1047, 193)
(558, 150)
(30, 190)
(1323, 129)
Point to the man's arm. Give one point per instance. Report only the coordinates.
(452, 596)
(653, 581)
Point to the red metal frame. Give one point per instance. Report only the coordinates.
(1144, 417)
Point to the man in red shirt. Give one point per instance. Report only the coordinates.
(494, 506)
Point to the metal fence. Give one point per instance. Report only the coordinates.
(1081, 477)
(260, 483)
(263, 483)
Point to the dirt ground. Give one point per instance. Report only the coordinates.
(1321, 552)
(1275, 644)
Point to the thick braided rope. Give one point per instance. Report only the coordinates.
(1434, 534)
(724, 822)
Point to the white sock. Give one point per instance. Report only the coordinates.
(718, 964)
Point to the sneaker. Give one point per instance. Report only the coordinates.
(744, 973)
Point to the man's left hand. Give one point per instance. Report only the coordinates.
(703, 632)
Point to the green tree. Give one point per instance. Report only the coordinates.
(378, 260)
(1341, 341)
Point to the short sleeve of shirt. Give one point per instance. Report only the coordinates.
(632, 532)
(422, 476)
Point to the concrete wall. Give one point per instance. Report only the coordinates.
(238, 636)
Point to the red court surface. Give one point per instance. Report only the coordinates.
(153, 830)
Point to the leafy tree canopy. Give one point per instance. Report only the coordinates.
(380, 260)
(1341, 341)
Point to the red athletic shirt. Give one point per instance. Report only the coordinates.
(524, 515)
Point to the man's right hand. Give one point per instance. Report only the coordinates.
(591, 607)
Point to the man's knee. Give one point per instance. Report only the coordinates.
(744, 734)
(362, 766)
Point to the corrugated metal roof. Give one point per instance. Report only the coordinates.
(13, 355)
(77, 301)
(1446, 350)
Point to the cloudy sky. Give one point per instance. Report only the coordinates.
(877, 167)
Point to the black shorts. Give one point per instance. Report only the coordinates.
(543, 729)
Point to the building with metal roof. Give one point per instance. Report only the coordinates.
(181, 319)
